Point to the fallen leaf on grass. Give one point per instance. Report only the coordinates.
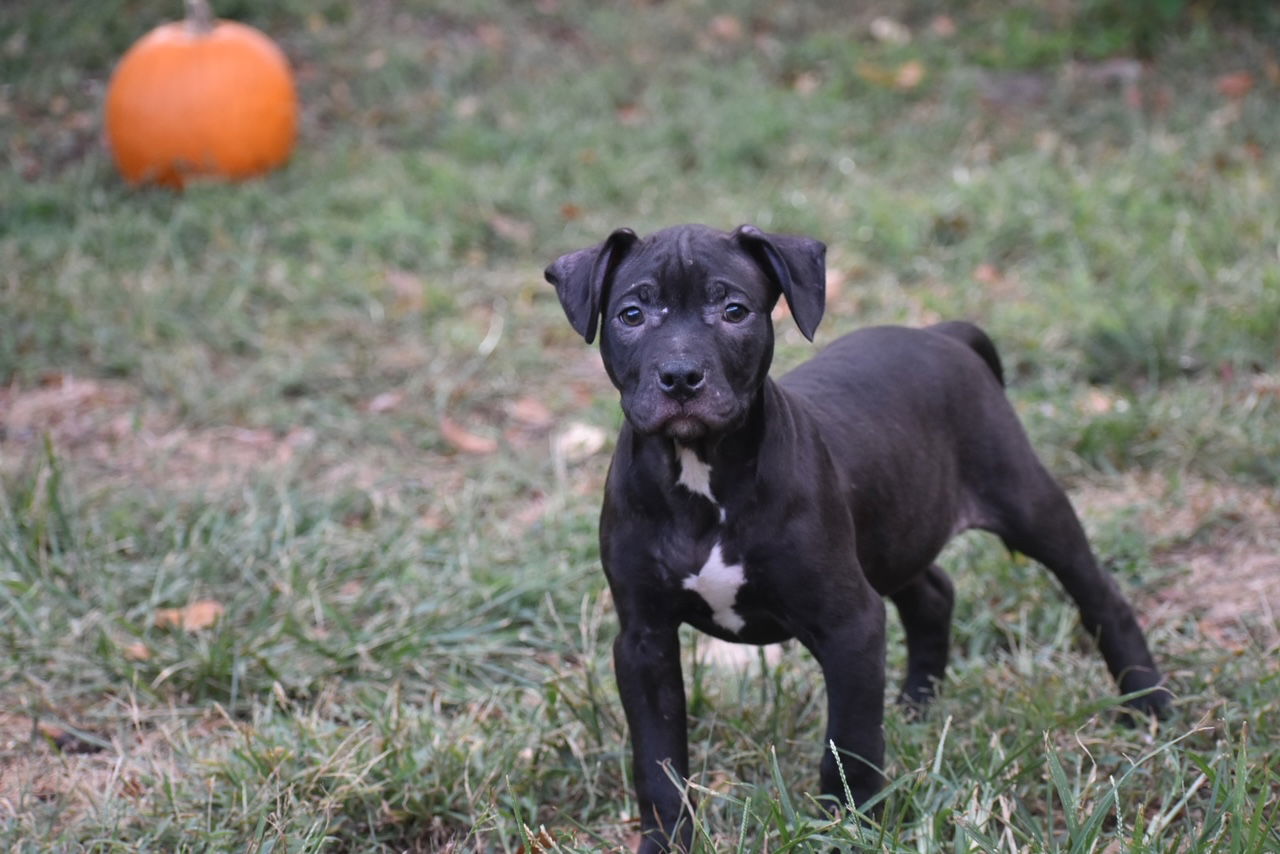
(532, 513)
(988, 274)
(408, 289)
(1235, 86)
(579, 441)
(464, 440)
(199, 615)
(806, 83)
(1098, 402)
(889, 31)
(385, 402)
(910, 75)
(876, 75)
(137, 651)
(943, 26)
(530, 412)
(726, 28)
(511, 229)
(631, 114)
(67, 742)
(491, 36)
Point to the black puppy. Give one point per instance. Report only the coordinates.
(759, 511)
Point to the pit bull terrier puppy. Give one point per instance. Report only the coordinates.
(759, 510)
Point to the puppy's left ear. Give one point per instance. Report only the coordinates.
(797, 265)
(582, 279)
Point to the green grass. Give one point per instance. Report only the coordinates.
(244, 394)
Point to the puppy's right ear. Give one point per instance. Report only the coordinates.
(582, 279)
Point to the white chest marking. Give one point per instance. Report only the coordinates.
(718, 583)
(695, 475)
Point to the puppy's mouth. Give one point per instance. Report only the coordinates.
(685, 422)
(685, 428)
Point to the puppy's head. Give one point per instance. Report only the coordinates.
(684, 317)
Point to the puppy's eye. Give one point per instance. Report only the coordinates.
(631, 316)
(736, 312)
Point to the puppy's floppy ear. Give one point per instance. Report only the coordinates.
(797, 265)
(582, 279)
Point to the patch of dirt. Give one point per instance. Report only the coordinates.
(1225, 538)
(108, 432)
(40, 763)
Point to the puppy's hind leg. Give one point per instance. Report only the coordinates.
(925, 606)
(1042, 525)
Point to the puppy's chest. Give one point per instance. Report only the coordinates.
(708, 561)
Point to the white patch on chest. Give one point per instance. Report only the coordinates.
(695, 475)
(717, 583)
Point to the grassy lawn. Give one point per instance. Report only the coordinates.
(299, 478)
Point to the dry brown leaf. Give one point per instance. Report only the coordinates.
(491, 36)
(53, 732)
(726, 28)
(889, 31)
(199, 615)
(408, 288)
(579, 441)
(631, 114)
(532, 513)
(385, 402)
(806, 83)
(988, 274)
(511, 229)
(530, 412)
(910, 75)
(1098, 402)
(464, 440)
(876, 75)
(67, 742)
(137, 651)
(1236, 85)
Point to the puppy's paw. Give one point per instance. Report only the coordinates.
(1156, 703)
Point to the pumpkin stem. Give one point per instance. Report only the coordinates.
(199, 17)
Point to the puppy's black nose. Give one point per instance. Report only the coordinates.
(680, 379)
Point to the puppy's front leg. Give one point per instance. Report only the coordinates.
(646, 660)
(850, 650)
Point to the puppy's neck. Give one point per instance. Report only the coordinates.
(727, 456)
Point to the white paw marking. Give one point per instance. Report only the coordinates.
(717, 583)
(695, 475)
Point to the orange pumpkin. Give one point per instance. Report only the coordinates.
(201, 98)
